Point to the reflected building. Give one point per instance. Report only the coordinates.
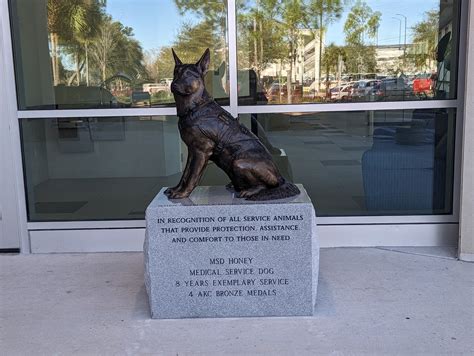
(307, 66)
(390, 58)
(312, 54)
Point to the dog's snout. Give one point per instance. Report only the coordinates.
(173, 87)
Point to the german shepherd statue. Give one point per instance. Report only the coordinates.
(211, 133)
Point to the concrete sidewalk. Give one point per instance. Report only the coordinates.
(371, 301)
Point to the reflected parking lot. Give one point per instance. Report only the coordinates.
(340, 51)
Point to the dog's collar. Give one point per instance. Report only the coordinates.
(197, 105)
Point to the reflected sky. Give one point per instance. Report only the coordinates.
(156, 23)
(414, 10)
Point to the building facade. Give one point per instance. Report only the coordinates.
(386, 158)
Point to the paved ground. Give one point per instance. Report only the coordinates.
(371, 301)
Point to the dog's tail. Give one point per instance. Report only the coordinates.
(284, 190)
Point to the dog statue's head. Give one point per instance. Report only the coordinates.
(189, 78)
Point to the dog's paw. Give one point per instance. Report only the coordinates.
(170, 190)
(177, 195)
(244, 194)
(248, 193)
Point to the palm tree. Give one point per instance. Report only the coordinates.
(56, 25)
(71, 21)
(114, 50)
(361, 24)
(104, 46)
(93, 18)
(293, 20)
(425, 35)
(331, 58)
(322, 13)
(259, 34)
(212, 12)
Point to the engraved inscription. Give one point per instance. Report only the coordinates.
(232, 276)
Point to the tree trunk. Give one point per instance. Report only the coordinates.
(87, 64)
(53, 62)
(71, 79)
(74, 75)
(328, 68)
(58, 77)
(289, 76)
(321, 30)
(78, 70)
(255, 59)
(55, 58)
(261, 48)
(104, 67)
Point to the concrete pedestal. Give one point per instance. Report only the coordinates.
(213, 255)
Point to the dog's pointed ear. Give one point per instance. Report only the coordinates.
(177, 61)
(203, 63)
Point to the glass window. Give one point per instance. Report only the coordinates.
(112, 54)
(102, 168)
(320, 51)
(86, 54)
(351, 163)
(366, 163)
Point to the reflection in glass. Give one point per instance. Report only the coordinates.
(367, 163)
(104, 168)
(73, 54)
(314, 51)
(356, 163)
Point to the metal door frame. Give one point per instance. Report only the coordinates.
(14, 233)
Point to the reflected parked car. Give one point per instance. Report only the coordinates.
(363, 89)
(275, 91)
(342, 93)
(391, 89)
(334, 93)
(141, 98)
(279, 93)
(422, 84)
(153, 88)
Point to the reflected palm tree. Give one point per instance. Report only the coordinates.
(73, 22)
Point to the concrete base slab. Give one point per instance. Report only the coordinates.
(370, 301)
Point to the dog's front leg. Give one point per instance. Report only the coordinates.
(192, 174)
(184, 177)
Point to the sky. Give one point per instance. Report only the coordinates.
(157, 22)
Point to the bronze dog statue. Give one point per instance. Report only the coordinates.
(211, 133)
